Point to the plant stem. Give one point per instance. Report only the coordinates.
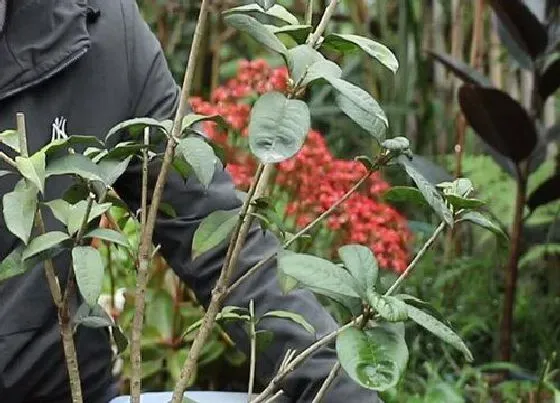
(301, 357)
(276, 396)
(66, 330)
(332, 376)
(8, 160)
(309, 12)
(329, 12)
(144, 205)
(416, 259)
(148, 228)
(253, 364)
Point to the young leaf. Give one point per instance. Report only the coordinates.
(549, 81)
(88, 268)
(462, 70)
(390, 308)
(19, 209)
(213, 230)
(348, 43)
(432, 196)
(200, 156)
(523, 26)
(33, 169)
(547, 192)
(499, 120)
(376, 357)
(256, 30)
(44, 242)
(108, 235)
(135, 127)
(294, 317)
(460, 203)
(68, 142)
(11, 139)
(278, 127)
(362, 265)
(439, 329)
(192, 119)
(482, 221)
(12, 265)
(402, 194)
(322, 276)
(74, 164)
(359, 106)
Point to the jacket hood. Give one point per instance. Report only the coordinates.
(40, 38)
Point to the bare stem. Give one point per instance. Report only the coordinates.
(416, 259)
(329, 12)
(144, 205)
(253, 364)
(70, 355)
(276, 396)
(8, 160)
(309, 12)
(148, 228)
(328, 382)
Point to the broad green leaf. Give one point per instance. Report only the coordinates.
(11, 139)
(362, 265)
(136, 127)
(294, 317)
(88, 268)
(348, 43)
(12, 265)
(33, 169)
(60, 209)
(300, 59)
(278, 127)
(92, 316)
(44, 242)
(213, 230)
(122, 150)
(408, 194)
(281, 13)
(192, 119)
(74, 164)
(111, 170)
(390, 308)
(359, 106)
(460, 187)
(322, 276)
(256, 30)
(324, 69)
(396, 144)
(432, 196)
(423, 306)
(200, 156)
(298, 33)
(439, 329)
(108, 235)
(77, 213)
(19, 209)
(482, 221)
(376, 357)
(460, 203)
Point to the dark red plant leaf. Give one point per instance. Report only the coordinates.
(547, 192)
(461, 69)
(549, 82)
(499, 120)
(523, 26)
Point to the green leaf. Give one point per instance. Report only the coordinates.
(266, 4)
(396, 144)
(44, 242)
(213, 230)
(19, 209)
(108, 235)
(228, 313)
(11, 139)
(88, 268)
(12, 265)
(60, 209)
(33, 169)
(423, 306)
(375, 358)
(348, 43)
(460, 203)
(92, 316)
(439, 329)
(484, 222)
(359, 106)
(65, 143)
(192, 119)
(77, 213)
(320, 275)
(402, 194)
(200, 156)
(460, 187)
(264, 339)
(300, 59)
(362, 265)
(281, 13)
(74, 164)
(160, 312)
(432, 196)
(297, 318)
(111, 170)
(256, 30)
(136, 127)
(298, 33)
(278, 127)
(390, 308)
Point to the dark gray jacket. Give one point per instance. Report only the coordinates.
(58, 59)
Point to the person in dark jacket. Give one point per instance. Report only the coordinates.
(95, 63)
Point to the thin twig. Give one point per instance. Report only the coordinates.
(328, 382)
(253, 364)
(309, 12)
(276, 396)
(8, 160)
(329, 12)
(416, 259)
(144, 205)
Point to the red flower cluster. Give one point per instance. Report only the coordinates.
(314, 178)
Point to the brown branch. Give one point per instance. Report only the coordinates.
(328, 381)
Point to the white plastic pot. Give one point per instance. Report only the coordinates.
(199, 397)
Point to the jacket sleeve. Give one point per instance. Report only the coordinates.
(157, 94)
